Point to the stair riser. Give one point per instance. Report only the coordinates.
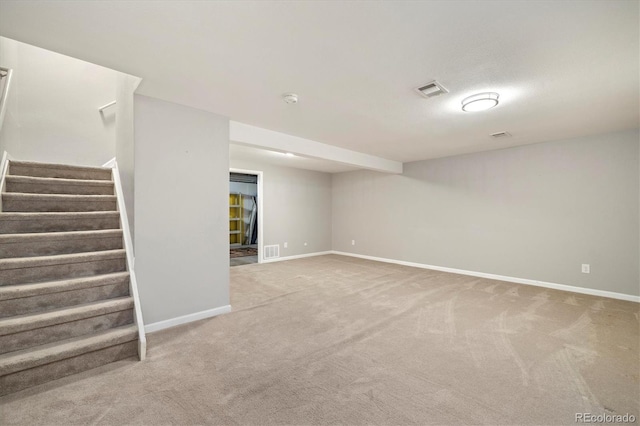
(43, 171)
(64, 271)
(46, 247)
(48, 188)
(18, 205)
(57, 225)
(46, 302)
(68, 330)
(35, 376)
(64, 296)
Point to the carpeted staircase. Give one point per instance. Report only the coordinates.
(65, 303)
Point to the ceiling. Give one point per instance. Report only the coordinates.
(240, 154)
(563, 68)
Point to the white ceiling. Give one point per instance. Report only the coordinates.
(239, 154)
(562, 68)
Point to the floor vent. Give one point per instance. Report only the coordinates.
(271, 252)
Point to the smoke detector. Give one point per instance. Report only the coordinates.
(290, 98)
(431, 89)
(501, 135)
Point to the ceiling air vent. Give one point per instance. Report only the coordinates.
(501, 135)
(431, 89)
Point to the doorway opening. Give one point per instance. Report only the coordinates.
(245, 217)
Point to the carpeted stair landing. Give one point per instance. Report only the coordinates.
(65, 305)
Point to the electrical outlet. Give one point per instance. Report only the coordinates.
(286, 244)
(353, 242)
(305, 244)
(586, 268)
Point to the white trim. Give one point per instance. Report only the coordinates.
(184, 319)
(562, 287)
(4, 167)
(298, 256)
(4, 95)
(128, 245)
(246, 134)
(260, 209)
(110, 164)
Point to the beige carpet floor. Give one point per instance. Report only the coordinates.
(337, 340)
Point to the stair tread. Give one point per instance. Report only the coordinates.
(32, 357)
(67, 303)
(54, 166)
(56, 215)
(59, 236)
(20, 323)
(71, 197)
(29, 262)
(58, 181)
(17, 291)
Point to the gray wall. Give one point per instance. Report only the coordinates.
(52, 110)
(125, 153)
(536, 212)
(181, 215)
(297, 208)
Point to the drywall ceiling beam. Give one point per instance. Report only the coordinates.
(246, 134)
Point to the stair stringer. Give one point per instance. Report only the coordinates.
(4, 169)
(128, 245)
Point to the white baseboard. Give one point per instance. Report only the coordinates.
(297, 256)
(161, 325)
(563, 287)
(110, 164)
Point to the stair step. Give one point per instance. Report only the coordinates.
(25, 331)
(39, 185)
(18, 202)
(14, 223)
(50, 243)
(65, 305)
(25, 270)
(38, 297)
(33, 366)
(22, 323)
(46, 354)
(26, 168)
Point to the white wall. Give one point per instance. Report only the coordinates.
(124, 141)
(297, 208)
(535, 212)
(52, 111)
(181, 214)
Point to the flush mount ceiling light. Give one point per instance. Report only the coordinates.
(480, 102)
(290, 98)
(288, 154)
